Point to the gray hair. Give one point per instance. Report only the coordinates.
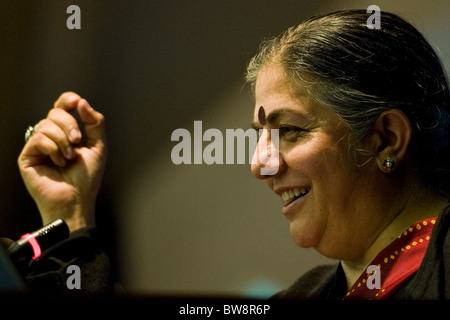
(358, 73)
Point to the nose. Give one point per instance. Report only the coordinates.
(267, 160)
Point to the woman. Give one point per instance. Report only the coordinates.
(362, 166)
(362, 116)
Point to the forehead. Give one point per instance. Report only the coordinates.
(282, 100)
(270, 81)
(273, 92)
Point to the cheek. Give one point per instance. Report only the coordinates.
(333, 177)
(329, 218)
(320, 162)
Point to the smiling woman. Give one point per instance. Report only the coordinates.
(363, 151)
(355, 121)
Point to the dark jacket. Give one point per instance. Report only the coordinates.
(430, 282)
(82, 249)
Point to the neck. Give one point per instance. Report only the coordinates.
(411, 212)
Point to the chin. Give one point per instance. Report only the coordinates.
(304, 237)
(309, 237)
(335, 250)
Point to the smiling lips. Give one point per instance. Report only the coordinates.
(291, 195)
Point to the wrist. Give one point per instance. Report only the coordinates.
(76, 217)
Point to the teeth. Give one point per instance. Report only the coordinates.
(290, 194)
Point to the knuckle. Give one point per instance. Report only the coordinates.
(38, 138)
(43, 123)
(62, 118)
(54, 113)
(100, 118)
(52, 148)
(66, 100)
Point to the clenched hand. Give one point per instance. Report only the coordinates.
(63, 176)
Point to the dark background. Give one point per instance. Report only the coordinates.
(151, 67)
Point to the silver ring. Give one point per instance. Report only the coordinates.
(29, 133)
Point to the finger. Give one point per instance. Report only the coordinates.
(67, 123)
(67, 101)
(94, 124)
(38, 149)
(57, 134)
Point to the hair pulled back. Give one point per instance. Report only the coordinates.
(358, 73)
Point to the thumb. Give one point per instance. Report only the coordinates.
(94, 123)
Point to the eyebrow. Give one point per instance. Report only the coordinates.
(275, 115)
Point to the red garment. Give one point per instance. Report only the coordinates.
(397, 263)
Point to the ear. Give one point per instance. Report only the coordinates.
(391, 135)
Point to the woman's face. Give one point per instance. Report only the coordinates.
(330, 202)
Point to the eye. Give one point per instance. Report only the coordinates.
(290, 133)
